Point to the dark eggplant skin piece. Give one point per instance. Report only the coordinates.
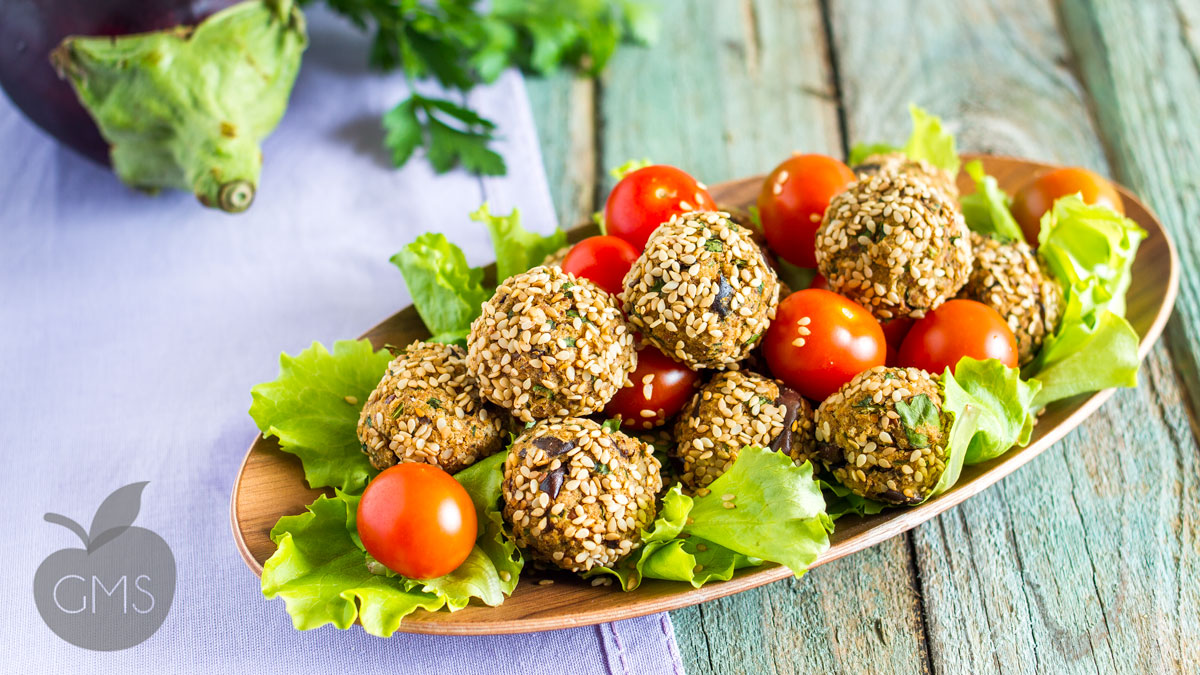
(31, 29)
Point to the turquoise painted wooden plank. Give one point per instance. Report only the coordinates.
(1061, 568)
(1140, 63)
(563, 109)
(729, 90)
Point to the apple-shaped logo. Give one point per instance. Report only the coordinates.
(115, 591)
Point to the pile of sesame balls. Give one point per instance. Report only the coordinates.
(550, 349)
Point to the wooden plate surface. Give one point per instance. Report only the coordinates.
(271, 483)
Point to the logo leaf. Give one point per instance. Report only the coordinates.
(116, 513)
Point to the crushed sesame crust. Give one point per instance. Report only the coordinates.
(548, 344)
(899, 162)
(577, 495)
(864, 441)
(736, 409)
(895, 245)
(427, 409)
(702, 291)
(1010, 279)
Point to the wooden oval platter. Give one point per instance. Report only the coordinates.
(271, 483)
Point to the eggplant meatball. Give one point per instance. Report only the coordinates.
(427, 409)
(899, 162)
(701, 291)
(578, 495)
(550, 344)
(736, 409)
(1010, 279)
(884, 434)
(895, 245)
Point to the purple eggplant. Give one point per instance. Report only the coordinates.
(158, 90)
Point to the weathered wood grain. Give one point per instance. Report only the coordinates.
(1141, 64)
(1068, 566)
(729, 90)
(564, 108)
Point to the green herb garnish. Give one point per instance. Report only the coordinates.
(434, 403)
(917, 413)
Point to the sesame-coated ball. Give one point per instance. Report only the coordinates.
(550, 344)
(701, 291)
(899, 162)
(1010, 279)
(884, 434)
(427, 409)
(578, 495)
(734, 410)
(895, 245)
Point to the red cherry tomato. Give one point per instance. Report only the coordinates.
(792, 201)
(661, 387)
(820, 282)
(417, 520)
(604, 260)
(1037, 196)
(649, 197)
(895, 330)
(956, 329)
(820, 340)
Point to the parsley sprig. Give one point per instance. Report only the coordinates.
(459, 44)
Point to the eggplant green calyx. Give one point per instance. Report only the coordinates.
(188, 107)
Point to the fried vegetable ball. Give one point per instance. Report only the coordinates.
(701, 291)
(578, 495)
(736, 409)
(427, 409)
(884, 434)
(899, 162)
(550, 344)
(1009, 278)
(895, 245)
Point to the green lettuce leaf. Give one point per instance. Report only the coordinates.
(309, 409)
(1082, 243)
(962, 431)
(1090, 351)
(666, 555)
(861, 151)
(324, 576)
(778, 512)
(840, 501)
(777, 515)
(1004, 401)
(446, 291)
(930, 142)
(1090, 250)
(517, 249)
(321, 574)
(987, 209)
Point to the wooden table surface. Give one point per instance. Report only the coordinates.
(1086, 560)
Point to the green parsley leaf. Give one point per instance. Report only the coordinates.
(915, 414)
(450, 134)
